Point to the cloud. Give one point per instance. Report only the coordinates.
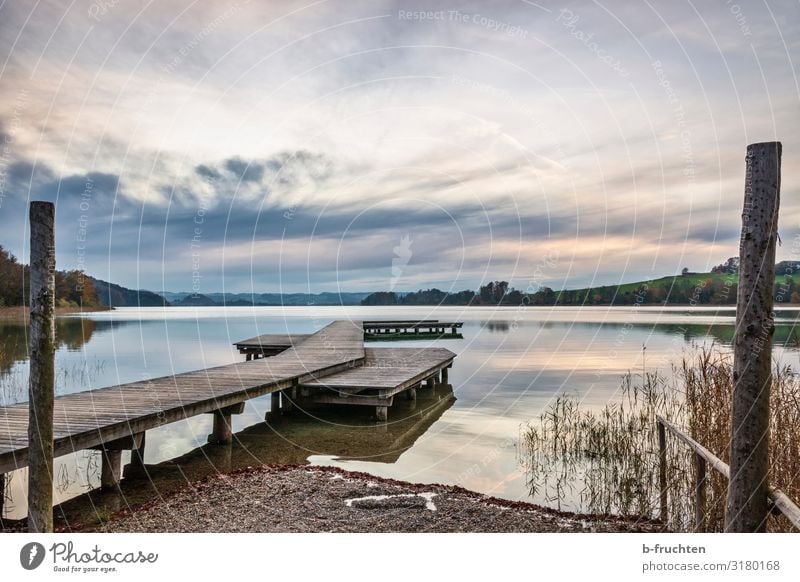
(305, 143)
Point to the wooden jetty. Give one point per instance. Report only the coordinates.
(270, 344)
(113, 418)
(116, 418)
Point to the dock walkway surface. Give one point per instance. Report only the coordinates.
(385, 373)
(98, 417)
(330, 366)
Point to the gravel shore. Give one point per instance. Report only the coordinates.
(321, 499)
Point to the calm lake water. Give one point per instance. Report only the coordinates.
(510, 365)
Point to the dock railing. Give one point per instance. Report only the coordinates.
(702, 458)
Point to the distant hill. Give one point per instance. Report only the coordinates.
(718, 287)
(248, 299)
(114, 295)
(195, 300)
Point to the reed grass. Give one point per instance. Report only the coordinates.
(607, 459)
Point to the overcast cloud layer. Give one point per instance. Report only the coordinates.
(361, 145)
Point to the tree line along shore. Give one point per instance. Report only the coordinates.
(76, 291)
(718, 287)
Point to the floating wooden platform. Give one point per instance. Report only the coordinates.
(330, 366)
(385, 373)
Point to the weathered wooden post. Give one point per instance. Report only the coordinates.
(2, 496)
(662, 471)
(41, 386)
(747, 507)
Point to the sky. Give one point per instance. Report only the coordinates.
(367, 145)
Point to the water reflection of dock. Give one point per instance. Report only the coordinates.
(330, 366)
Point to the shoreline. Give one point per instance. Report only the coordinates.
(303, 498)
(21, 313)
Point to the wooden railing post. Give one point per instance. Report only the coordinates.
(41, 386)
(747, 507)
(662, 470)
(778, 499)
(699, 493)
(2, 497)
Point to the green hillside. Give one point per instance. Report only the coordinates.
(688, 289)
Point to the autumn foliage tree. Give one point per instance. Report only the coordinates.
(73, 288)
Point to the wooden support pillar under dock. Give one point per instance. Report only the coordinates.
(274, 406)
(136, 468)
(275, 403)
(444, 375)
(110, 472)
(288, 398)
(222, 433)
(411, 393)
(382, 413)
(111, 455)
